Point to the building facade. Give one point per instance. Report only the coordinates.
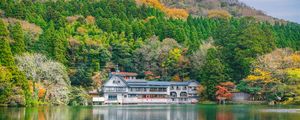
(124, 88)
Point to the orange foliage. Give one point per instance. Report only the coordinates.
(223, 90)
(228, 85)
(177, 13)
(218, 14)
(42, 92)
(295, 58)
(41, 89)
(170, 12)
(90, 20)
(223, 93)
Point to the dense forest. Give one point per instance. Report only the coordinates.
(52, 50)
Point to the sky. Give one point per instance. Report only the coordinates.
(284, 9)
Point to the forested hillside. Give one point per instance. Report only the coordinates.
(206, 7)
(72, 45)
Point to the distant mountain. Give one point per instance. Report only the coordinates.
(234, 7)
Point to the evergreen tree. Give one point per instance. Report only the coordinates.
(6, 58)
(213, 72)
(17, 34)
(59, 44)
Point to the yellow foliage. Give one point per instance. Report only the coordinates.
(260, 75)
(91, 42)
(149, 18)
(218, 14)
(295, 58)
(294, 73)
(175, 53)
(176, 78)
(170, 12)
(81, 30)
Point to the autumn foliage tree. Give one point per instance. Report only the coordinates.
(277, 76)
(218, 14)
(224, 91)
(171, 12)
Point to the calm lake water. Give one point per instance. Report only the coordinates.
(154, 112)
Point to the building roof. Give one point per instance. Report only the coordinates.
(124, 73)
(146, 83)
(156, 83)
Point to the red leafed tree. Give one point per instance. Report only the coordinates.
(223, 91)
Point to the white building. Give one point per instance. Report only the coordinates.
(124, 88)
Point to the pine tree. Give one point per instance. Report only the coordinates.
(17, 34)
(45, 43)
(6, 57)
(59, 44)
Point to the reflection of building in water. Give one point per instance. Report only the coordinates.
(124, 88)
(145, 113)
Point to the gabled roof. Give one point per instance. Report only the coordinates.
(146, 83)
(124, 73)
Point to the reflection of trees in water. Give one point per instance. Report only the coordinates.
(46, 113)
(146, 112)
(161, 112)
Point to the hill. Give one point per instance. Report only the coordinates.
(203, 7)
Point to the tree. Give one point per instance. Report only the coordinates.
(5, 84)
(17, 34)
(6, 58)
(60, 46)
(241, 45)
(82, 77)
(213, 72)
(218, 14)
(274, 77)
(198, 57)
(45, 43)
(224, 90)
(41, 70)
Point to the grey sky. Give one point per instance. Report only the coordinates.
(284, 9)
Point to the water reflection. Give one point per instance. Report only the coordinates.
(152, 112)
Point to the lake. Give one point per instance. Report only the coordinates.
(154, 112)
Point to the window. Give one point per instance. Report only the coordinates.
(178, 88)
(110, 89)
(184, 88)
(158, 90)
(138, 89)
(132, 95)
(173, 94)
(183, 94)
(112, 97)
(121, 89)
(172, 88)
